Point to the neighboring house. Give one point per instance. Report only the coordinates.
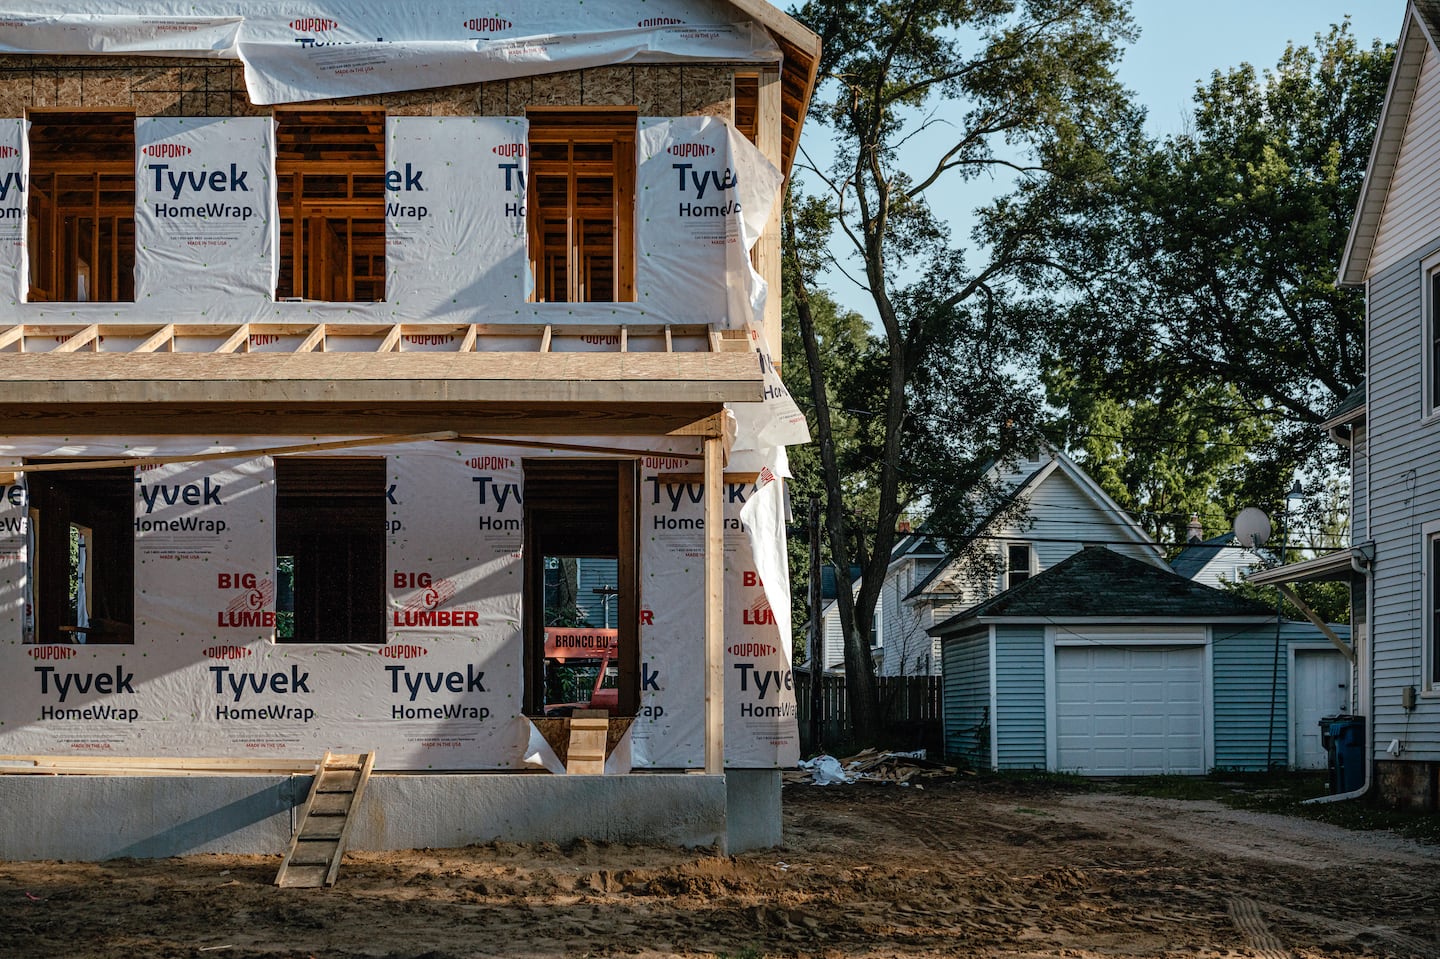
(1105, 665)
(328, 351)
(1393, 430)
(1063, 510)
(1216, 561)
(894, 631)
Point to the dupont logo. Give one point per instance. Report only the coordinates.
(403, 651)
(52, 652)
(690, 149)
(227, 652)
(8, 152)
(488, 24)
(489, 462)
(660, 22)
(666, 463)
(312, 24)
(751, 649)
(167, 150)
(509, 149)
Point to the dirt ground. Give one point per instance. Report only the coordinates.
(962, 869)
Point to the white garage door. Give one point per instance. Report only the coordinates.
(1130, 710)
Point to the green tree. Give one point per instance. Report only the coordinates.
(1165, 457)
(1218, 302)
(1023, 87)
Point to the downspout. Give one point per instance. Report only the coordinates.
(1362, 561)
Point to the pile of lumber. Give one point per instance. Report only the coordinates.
(877, 766)
(871, 765)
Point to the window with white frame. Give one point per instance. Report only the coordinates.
(1430, 297)
(1018, 558)
(1432, 672)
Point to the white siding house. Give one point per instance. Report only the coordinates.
(1064, 510)
(1394, 252)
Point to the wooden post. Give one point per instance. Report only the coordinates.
(714, 608)
(815, 636)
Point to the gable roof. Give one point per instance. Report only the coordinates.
(1196, 556)
(1417, 34)
(1058, 462)
(1099, 583)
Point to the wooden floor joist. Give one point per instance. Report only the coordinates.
(326, 819)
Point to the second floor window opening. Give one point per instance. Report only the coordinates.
(330, 173)
(81, 221)
(581, 198)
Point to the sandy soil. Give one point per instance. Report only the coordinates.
(962, 869)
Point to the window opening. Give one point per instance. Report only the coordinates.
(581, 587)
(747, 106)
(81, 218)
(1433, 277)
(83, 572)
(330, 550)
(1017, 563)
(330, 173)
(1434, 612)
(581, 196)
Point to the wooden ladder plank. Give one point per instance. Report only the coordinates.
(326, 818)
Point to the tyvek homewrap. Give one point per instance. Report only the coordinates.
(455, 242)
(13, 196)
(204, 676)
(337, 49)
(204, 210)
(454, 214)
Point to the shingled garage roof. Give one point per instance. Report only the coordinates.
(346, 379)
(1099, 584)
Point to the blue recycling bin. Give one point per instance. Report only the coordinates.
(1344, 741)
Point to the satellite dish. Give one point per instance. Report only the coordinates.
(1252, 527)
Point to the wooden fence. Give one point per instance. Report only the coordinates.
(911, 711)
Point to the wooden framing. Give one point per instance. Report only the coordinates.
(82, 205)
(236, 379)
(581, 194)
(330, 177)
(714, 608)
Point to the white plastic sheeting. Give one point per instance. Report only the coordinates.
(207, 229)
(204, 210)
(455, 214)
(205, 676)
(326, 49)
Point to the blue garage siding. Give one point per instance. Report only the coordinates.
(965, 666)
(1244, 663)
(1020, 696)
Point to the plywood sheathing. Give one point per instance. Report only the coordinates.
(157, 86)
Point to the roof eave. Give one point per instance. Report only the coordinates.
(1385, 151)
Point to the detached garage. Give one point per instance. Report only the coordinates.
(1106, 666)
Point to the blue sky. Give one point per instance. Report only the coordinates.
(1180, 44)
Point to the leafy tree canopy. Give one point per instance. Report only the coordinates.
(1213, 339)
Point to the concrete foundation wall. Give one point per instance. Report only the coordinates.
(1408, 784)
(105, 817)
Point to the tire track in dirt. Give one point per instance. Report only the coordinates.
(1362, 935)
(1246, 916)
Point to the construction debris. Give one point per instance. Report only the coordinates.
(871, 765)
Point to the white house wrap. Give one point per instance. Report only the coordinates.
(204, 212)
(455, 214)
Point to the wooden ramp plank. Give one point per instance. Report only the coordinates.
(326, 818)
(585, 755)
